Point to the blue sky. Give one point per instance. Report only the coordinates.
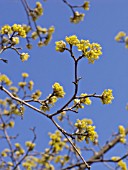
(46, 66)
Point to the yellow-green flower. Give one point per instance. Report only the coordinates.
(122, 133)
(30, 85)
(15, 40)
(72, 40)
(60, 46)
(77, 17)
(24, 56)
(19, 29)
(85, 100)
(5, 79)
(107, 96)
(58, 90)
(86, 5)
(120, 35)
(6, 29)
(25, 75)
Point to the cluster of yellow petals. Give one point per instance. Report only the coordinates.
(58, 90)
(91, 51)
(107, 96)
(85, 130)
(56, 141)
(72, 40)
(86, 5)
(122, 37)
(24, 56)
(37, 12)
(120, 163)
(77, 17)
(83, 100)
(5, 79)
(19, 29)
(6, 29)
(122, 133)
(60, 46)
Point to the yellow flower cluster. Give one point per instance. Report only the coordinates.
(40, 31)
(120, 163)
(49, 35)
(30, 85)
(14, 89)
(26, 28)
(72, 40)
(5, 80)
(5, 152)
(45, 107)
(30, 163)
(56, 142)
(19, 29)
(84, 100)
(60, 46)
(58, 90)
(30, 145)
(77, 17)
(15, 40)
(6, 29)
(86, 5)
(37, 12)
(22, 84)
(120, 36)
(36, 95)
(107, 96)
(62, 159)
(122, 134)
(24, 56)
(25, 75)
(90, 51)
(19, 151)
(85, 130)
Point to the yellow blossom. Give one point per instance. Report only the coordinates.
(19, 29)
(122, 133)
(52, 100)
(77, 17)
(30, 85)
(25, 75)
(29, 46)
(107, 96)
(72, 40)
(6, 29)
(58, 90)
(44, 107)
(56, 141)
(5, 79)
(24, 56)
(15, 40)
(86, 5)
(34, 35)
(22, 84)
(120, 163)
(60, 46)
(120, 36)
(40, 43)
(85, 100)
(85, 130)
(30, 145)
(36, 95)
